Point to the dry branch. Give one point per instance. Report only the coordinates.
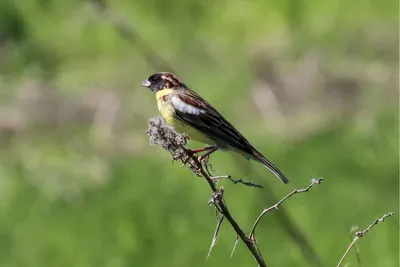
(220, 205)
(361, 234)
(166, 136)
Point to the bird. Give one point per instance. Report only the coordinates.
(189, 113)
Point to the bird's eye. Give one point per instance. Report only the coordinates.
(154, 79)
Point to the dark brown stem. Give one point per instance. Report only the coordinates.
(220, 204)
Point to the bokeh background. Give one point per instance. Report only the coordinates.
(312, 84)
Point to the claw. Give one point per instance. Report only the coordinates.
(185, 161)
(190, 153)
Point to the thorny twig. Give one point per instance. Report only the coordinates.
(218, 178)
(361, 234)
(314, 181)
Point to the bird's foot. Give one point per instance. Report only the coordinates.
(186, 160)
(205, 161)
(188, 154)
(206, 156)
(192, 152)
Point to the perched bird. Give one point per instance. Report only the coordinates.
(189, 113)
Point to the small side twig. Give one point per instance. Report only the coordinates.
(217, 178)
(361, 234)
(314, 181)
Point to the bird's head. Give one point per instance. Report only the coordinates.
(163, 80)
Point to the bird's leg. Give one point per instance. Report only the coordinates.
(204, 159)
(192, 152)
(206, 155)
(188, 153)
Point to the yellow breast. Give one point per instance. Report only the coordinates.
(168, 111)
(165, 106)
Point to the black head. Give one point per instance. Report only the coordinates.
(163, 80)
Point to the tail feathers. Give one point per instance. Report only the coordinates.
(259, 157)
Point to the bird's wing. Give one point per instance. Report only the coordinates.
(193, 110)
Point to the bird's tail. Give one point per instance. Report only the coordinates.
(259, 157)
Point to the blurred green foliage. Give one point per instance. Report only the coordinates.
(80, 186)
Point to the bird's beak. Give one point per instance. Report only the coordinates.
(146, 83)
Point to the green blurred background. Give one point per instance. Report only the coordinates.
(80, 185)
